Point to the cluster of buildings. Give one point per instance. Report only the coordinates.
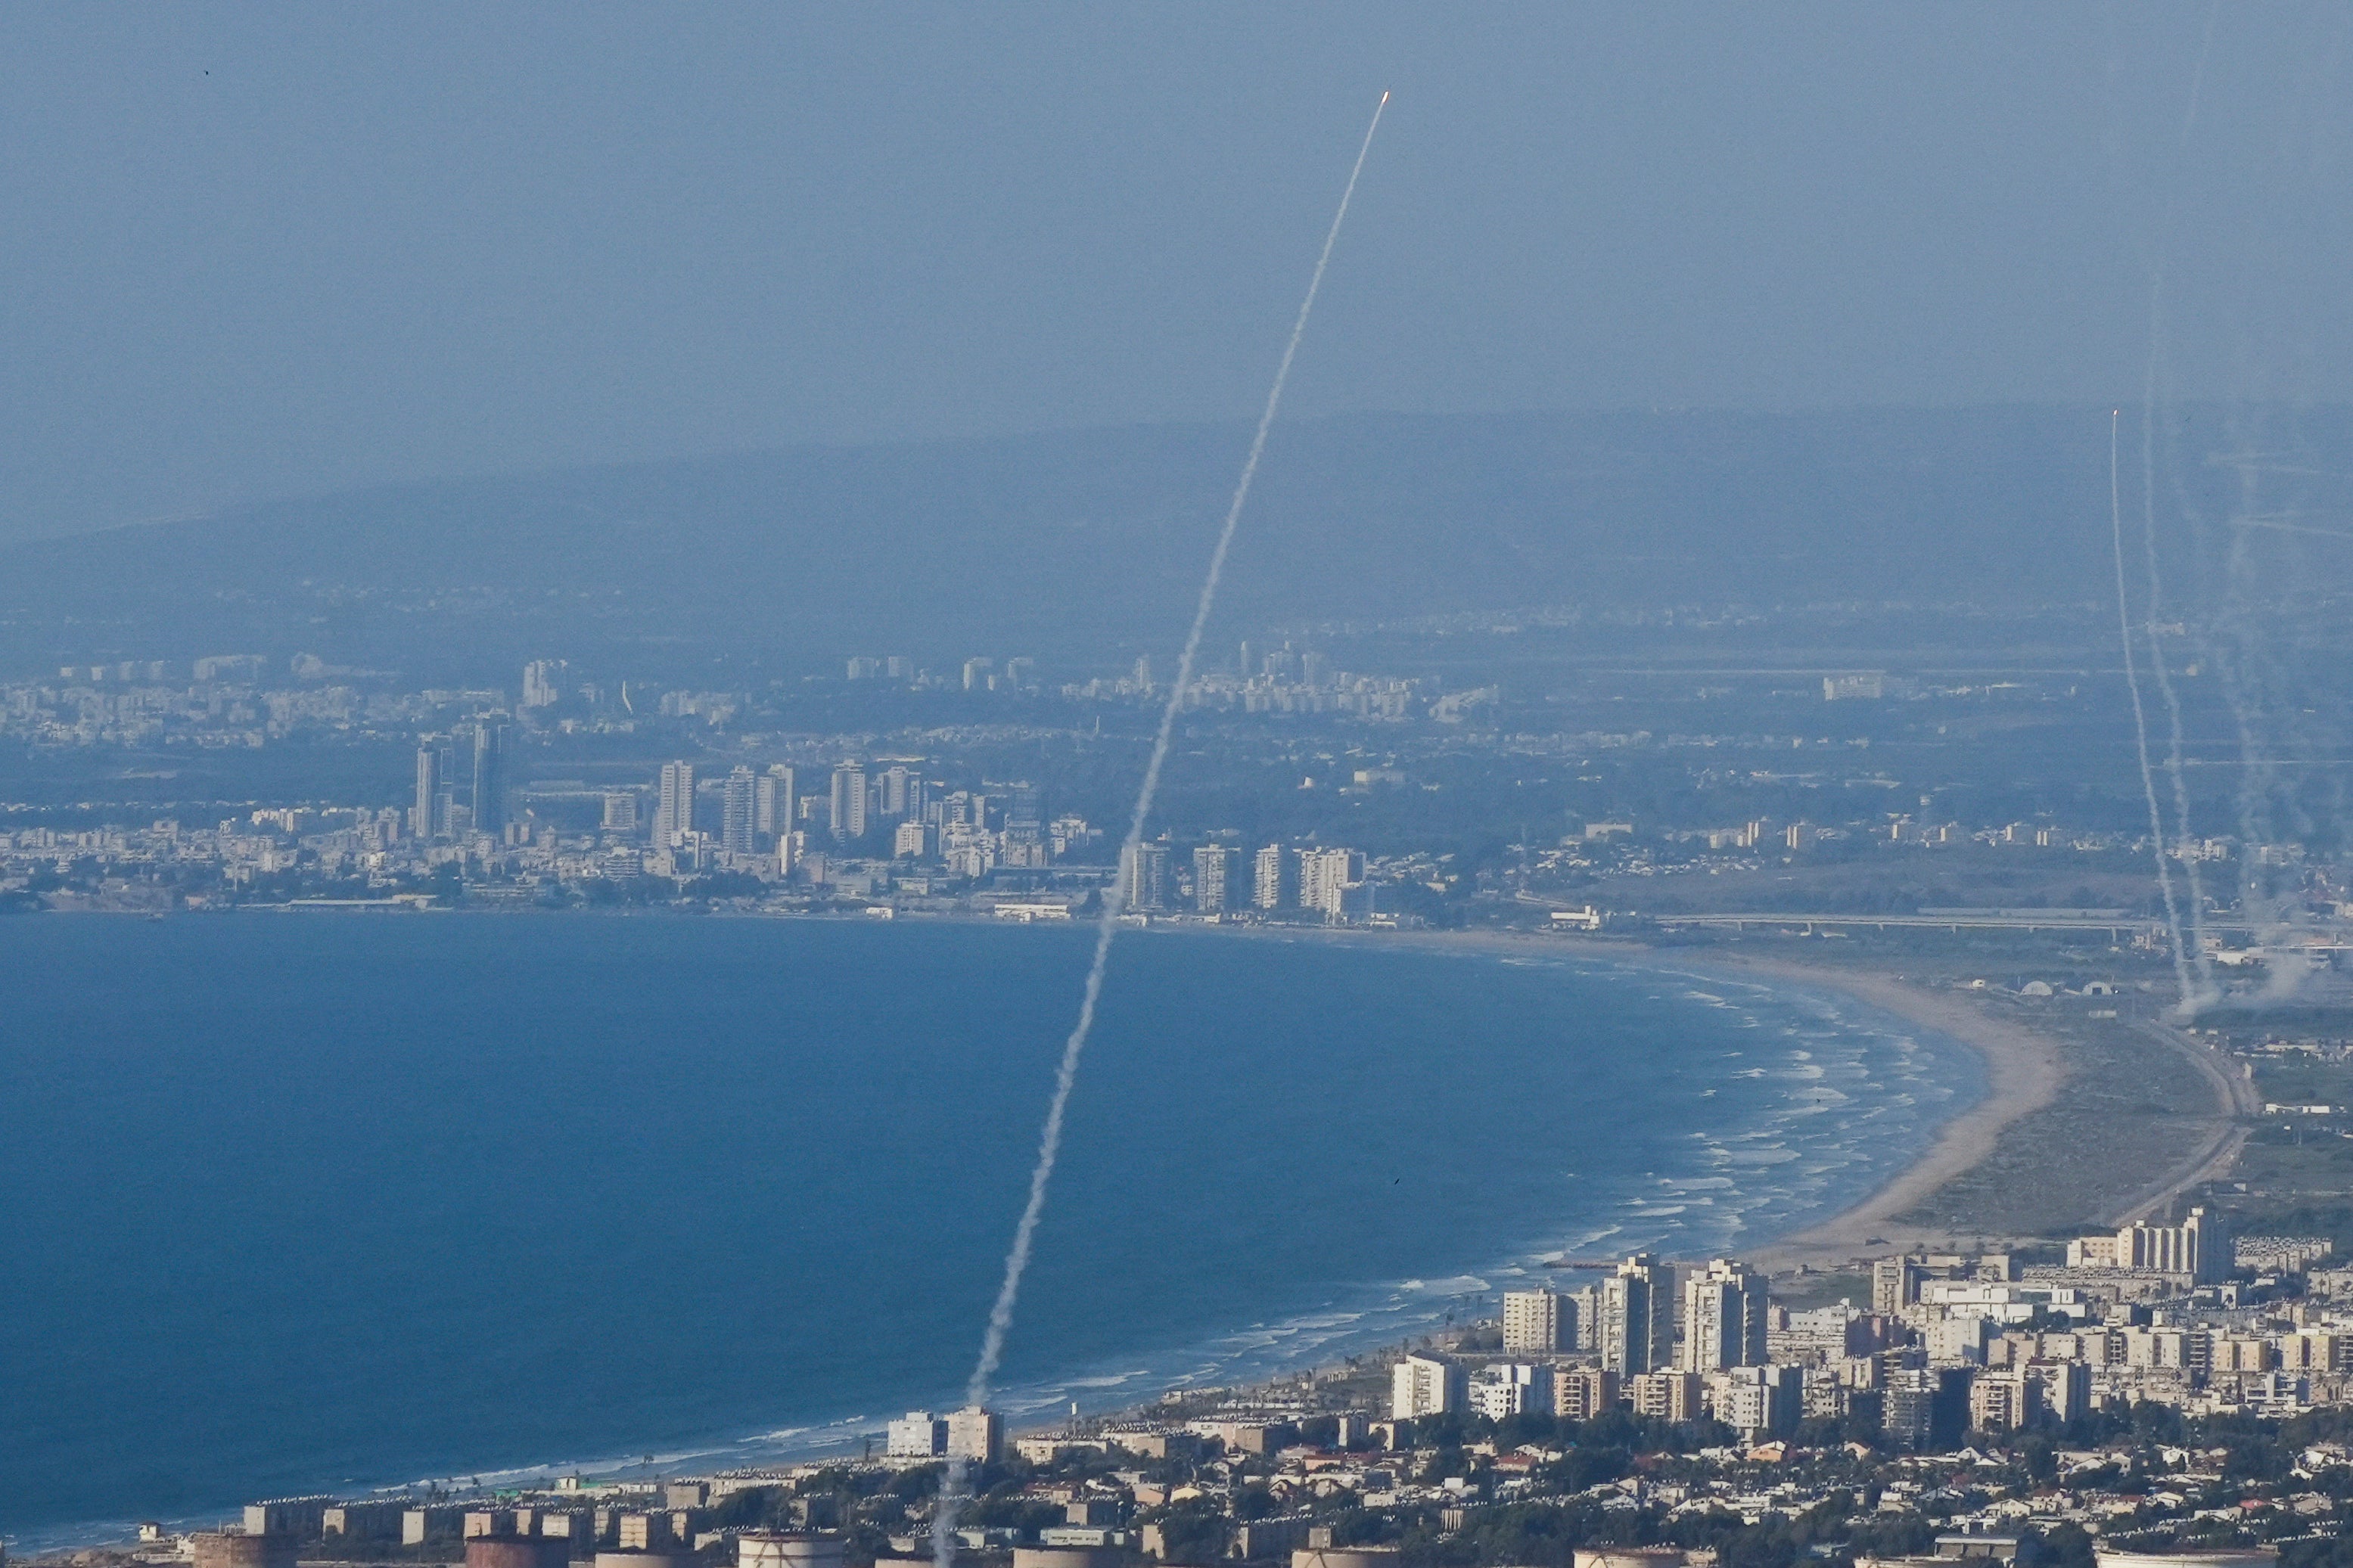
(979, 673)
(1908, 1411)
(764, 822)
(1316, 880)
(1298, 1473)
(251, 700)
(1949, 1345)
(217, 701)
(880, 830)
(1278, 680)
(148, 866)
(1661, 1343)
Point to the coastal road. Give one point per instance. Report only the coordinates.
(2115, 928)
(2235, 1106)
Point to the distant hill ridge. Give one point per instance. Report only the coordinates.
(1066, 539)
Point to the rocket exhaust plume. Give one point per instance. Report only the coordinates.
(2140, 725)
(953, 1491)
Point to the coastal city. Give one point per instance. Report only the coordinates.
(1056, 786)
(1375, 802)
(2165, 1392)
(1967, 1369)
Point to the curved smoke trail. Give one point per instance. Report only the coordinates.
(2140, 722)
(1049, 1138)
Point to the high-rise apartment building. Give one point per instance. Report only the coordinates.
(1143, 877)
(1274, 883)
(1582, 1392)
(1025, 814)
(1669, 1395)
(542, 682)
(1759, 1400)
(1324, 875)
(849, 801)
(2198, 1247)
(1514, 1388)
(738, 804)
(423, 818)
(894, 791)
(1925, 1408)
(490, 778)
(1538, 1322)
(620, 811)
(1894, 1284)
(2067, 1390)
(1426, 1385)
(919, 1435)
(674, 808)
(976, 1434)
(1580, 1318)
(1724, 1318)
(771, 802)
(1213, 874)
(1637, 1331)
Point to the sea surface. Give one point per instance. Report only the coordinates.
(307, 1202)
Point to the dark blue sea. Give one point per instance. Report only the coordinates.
(306, 1201)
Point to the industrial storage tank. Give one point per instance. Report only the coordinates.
(518, 1551)
(1632, 1557)
(771, 1549)
(1069, 1557)
(1345, 1557)
(642, 1559)
(235, 1549)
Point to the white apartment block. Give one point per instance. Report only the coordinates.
(1426, 1385)
(1533, 1322)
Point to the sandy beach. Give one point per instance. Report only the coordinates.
(2023, 1072)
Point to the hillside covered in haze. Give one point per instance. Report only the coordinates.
(1091, 542)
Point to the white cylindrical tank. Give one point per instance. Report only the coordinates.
(763, 1549)
(1067, 1557)
(2232, 1557)
(1630, 1557)
(1345, 1557)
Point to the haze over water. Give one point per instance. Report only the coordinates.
(311, 1203)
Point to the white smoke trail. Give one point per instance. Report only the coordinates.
(2156, 338)
(2156, 652)
(2140, 720)
(2173, 762)
(1050, 1139)
(2282, 526)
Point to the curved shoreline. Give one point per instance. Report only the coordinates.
(2023, 1075)
(2023, 1068)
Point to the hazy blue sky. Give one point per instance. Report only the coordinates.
(248, 250)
